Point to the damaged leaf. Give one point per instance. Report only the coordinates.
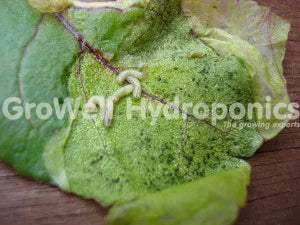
(211, 201)
(144, 165)
(253, 33)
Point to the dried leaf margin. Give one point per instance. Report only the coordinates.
(253, 33)
(50, 6)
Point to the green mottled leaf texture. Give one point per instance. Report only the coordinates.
(133, 157)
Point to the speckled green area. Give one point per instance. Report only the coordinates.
(134, 157)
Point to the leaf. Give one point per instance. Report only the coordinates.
(209, 201)
(107, 28)
(135, 157)
(31, 70)
(54, 157)
(253, 33)
(123, 26)
(47, 6)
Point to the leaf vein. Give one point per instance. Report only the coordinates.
(20, 68)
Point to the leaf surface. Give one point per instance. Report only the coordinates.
(253, 33)
(212, 200)
(31, 71)
(135, 156)
(178, 160)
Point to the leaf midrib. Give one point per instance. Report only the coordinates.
(85, 46)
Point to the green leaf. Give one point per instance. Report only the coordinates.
(122, 26)
(212, 200)
(134, 157)
(107, 29)
(32, 71)
(256, 35)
